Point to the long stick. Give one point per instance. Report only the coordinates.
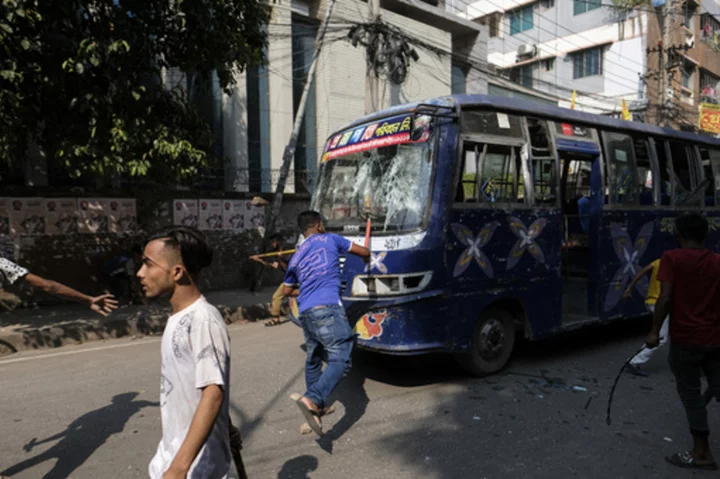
(276, 253)
(368, 226)
(608, 421)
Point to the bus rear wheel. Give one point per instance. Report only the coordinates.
(492, 343)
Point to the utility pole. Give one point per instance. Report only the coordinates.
(372, 81)
(662, 11)
(289, 152)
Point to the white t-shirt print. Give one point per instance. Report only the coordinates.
(10, 272)
(195, 354)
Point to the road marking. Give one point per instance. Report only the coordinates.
(79, 351)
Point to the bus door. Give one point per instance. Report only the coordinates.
(581, 197)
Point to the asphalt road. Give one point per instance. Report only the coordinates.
(90, 412)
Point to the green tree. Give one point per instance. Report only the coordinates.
(82, 79)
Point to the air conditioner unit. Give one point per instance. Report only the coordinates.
(526, 51)
(690, 40)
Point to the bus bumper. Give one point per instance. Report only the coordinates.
(403, 325)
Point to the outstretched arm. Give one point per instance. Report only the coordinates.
(103, 304)
(646, 270)
(662, 309)
(361, 251)
(256, 258)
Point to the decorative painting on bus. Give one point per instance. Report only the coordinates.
(526, 240)
(629, 255)
(377, 262)
(370, 325)
(473, 248)
(393, 131)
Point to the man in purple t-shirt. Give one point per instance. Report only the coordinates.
(313, 276)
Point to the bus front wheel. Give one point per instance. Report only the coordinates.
(492, 343)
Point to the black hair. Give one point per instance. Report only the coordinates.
(691, 226)
(277, 237)
(191, 243)
(308, 219)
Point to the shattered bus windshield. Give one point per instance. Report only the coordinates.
(394, 179)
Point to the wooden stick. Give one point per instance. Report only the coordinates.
(275, 253)
(368, 227)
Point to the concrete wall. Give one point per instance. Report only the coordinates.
(77, 260)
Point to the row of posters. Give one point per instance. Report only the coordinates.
(37, 216)
(218, 214)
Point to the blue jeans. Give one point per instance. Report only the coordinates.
(326, 329)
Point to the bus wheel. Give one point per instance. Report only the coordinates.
(492, 343)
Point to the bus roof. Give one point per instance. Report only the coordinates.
(525, 107)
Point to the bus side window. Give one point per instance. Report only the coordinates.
(621, 167)
(664, 165)
(711, 168)
(502, 178)
(681, 156)
(466, 191)
(543, 166)
(644, 180)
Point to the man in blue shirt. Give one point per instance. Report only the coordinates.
(313, 276)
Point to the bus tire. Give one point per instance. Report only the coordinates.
(492, 343)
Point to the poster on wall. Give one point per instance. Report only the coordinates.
(27, 216)
(234, 215)
(211, 211)
(61, 216)
(185, 213)
(123, 215)
(254, 216)
(93, 214)
(4, 216)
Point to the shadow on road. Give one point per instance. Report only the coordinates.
(351, 393)
(298, 467)
(82, 437)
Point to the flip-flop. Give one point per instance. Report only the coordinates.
(271, 322)
(311, 417)
(687, 461)
(305, 427)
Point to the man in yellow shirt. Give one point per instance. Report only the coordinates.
(650, 299)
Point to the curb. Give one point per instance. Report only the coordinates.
(142, 323)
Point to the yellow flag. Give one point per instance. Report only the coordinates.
(625, 111)
(572, 100)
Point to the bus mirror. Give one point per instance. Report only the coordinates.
(419, 124)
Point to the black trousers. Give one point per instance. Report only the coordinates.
(689, 364)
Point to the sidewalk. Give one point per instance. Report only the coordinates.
(54, 326)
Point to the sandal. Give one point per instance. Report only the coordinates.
(312, 417)
(274, 322)
(305, 427)
(686, 460)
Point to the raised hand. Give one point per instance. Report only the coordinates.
(103, 304)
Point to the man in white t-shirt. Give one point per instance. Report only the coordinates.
(10, 274)
(194, 387)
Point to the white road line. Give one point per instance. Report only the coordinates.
(79, 351)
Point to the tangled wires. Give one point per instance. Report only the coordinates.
(386, 49)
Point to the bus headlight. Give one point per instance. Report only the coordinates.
(390, 284)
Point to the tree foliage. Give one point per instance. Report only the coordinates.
(82, 79)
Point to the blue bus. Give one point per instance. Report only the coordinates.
(493, 217)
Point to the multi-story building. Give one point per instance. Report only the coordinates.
(255, 122)
(691, 62)
(555, 47)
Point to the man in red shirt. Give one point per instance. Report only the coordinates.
(690, 292)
